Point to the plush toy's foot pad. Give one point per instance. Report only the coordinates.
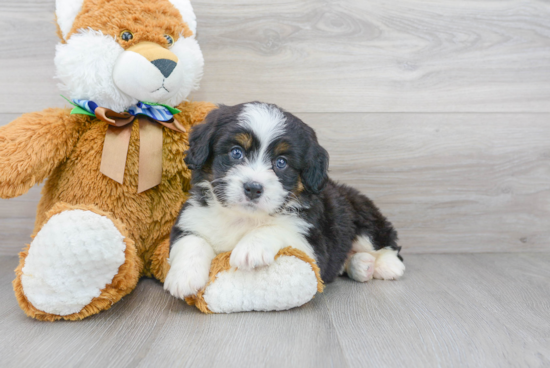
(290, 281)
(71, 260)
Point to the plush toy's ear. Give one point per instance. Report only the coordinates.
(315, 174)
(66, 12)
(201, 141)
(187, 13)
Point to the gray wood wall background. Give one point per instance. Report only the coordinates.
(438, 110)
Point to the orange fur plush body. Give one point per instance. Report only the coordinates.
(94, 237)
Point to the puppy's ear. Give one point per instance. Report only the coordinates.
(315, 174)
(201, 140)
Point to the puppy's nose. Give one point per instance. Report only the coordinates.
(165, 66)
(253, 189)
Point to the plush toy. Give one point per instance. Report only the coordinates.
(114, 168)
(114, 163)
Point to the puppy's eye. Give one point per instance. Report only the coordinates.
(169, 39)
(280, 163)
(126, 35)
(236, 153)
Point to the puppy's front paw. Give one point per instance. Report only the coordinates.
(186, 279)
(250, 254)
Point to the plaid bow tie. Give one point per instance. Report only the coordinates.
(117, 138)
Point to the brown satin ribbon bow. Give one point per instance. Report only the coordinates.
(117, 141)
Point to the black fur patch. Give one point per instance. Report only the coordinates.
(177, 233)
(339, 214)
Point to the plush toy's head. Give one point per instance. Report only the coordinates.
(119, 52)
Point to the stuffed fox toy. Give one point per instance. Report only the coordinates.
(116, 178)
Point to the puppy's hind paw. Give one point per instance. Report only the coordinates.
(388, 265)
(360, 267)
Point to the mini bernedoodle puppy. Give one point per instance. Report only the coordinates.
(260, 184)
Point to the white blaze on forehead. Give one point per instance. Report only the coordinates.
(266, 121)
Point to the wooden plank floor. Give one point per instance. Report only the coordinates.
(461, 310)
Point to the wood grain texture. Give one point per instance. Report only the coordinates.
(488, 310)
(303, 337)
(329, 55)
(452, 311)
(448, 182)
(378, 56)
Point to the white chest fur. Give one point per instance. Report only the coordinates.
(224, 227)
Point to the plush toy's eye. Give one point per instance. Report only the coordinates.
(236, 153)
(126, 35)
(170, 39)
(280, 163)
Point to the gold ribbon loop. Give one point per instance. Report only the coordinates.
(173, 124)
(117, 141)
(113, 118)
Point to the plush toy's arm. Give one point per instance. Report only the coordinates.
(193, 113)
(33, 145)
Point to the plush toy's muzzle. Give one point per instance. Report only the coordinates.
(148, 72)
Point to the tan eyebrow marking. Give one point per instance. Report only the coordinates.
(245, 140)
(281, 148)
(299, 186)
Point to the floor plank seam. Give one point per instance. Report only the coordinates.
(347, 363)
(152, 338)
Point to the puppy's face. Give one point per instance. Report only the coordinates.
(257, 157)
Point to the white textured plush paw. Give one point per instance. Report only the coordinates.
(388, 266)
(253, 252)
(186, 279)
(360, 267)
(71, 259)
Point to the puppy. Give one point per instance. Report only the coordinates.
(260, 184)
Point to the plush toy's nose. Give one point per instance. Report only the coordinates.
(164, 59)
(165, 66)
